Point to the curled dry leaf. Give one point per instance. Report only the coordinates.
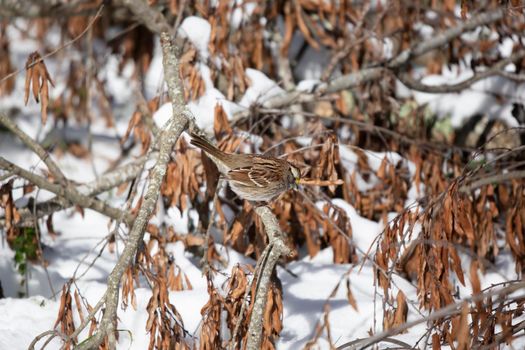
(65, 316)
(37, 76)
(183, 177)
(129, 279)
(12, 217)
(350, 295)
(141, 126)
(273, 313)
(221, 126)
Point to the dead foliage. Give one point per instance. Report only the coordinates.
(194, 85)
(397, 316)
(37, 77)
(164, 323)
(141, 122)
(183, 176)
(66, 316)
(224, 308)
(11, 212)
(455, 226)
(388, 190)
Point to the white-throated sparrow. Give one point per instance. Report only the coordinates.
(254, 177)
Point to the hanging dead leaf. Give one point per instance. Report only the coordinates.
(221, 126)
(350, 296)
(400, 315)
(38, 76)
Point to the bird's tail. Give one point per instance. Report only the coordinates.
(207, 147)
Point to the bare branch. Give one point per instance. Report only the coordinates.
(519, 174)
(277, 248)
(44, 8)
(153, 19)
(168, 138)
(35, 147)
(512, 76)
(51, 333)
(104, 183)
(73, 196)
(497, 69)
(446, 36)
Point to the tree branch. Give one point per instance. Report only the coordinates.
(73, 196)
(168, 138)
(365, 75)
(446, 36)
(277, 248)
(35, 147)
(154, 20)
(497, 69)
(104, 183)
(518, 174)
(44, 8)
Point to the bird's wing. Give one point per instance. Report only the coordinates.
(261, 173)
(258, 174)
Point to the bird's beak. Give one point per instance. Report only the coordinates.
(295, 184)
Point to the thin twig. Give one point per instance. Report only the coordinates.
(52, 333)
(494, 179)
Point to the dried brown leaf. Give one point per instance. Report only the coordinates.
(350, 296)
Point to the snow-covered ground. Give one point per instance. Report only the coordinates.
(79, 239)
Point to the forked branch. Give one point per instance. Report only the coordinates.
(168, 137)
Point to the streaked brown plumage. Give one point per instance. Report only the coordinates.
(254, 177)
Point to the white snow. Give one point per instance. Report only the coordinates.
(261, 88)
(198, 31)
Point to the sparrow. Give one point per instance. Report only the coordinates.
(254, 177)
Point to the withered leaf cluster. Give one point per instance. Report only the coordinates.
(225, 308)
(38, 77)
